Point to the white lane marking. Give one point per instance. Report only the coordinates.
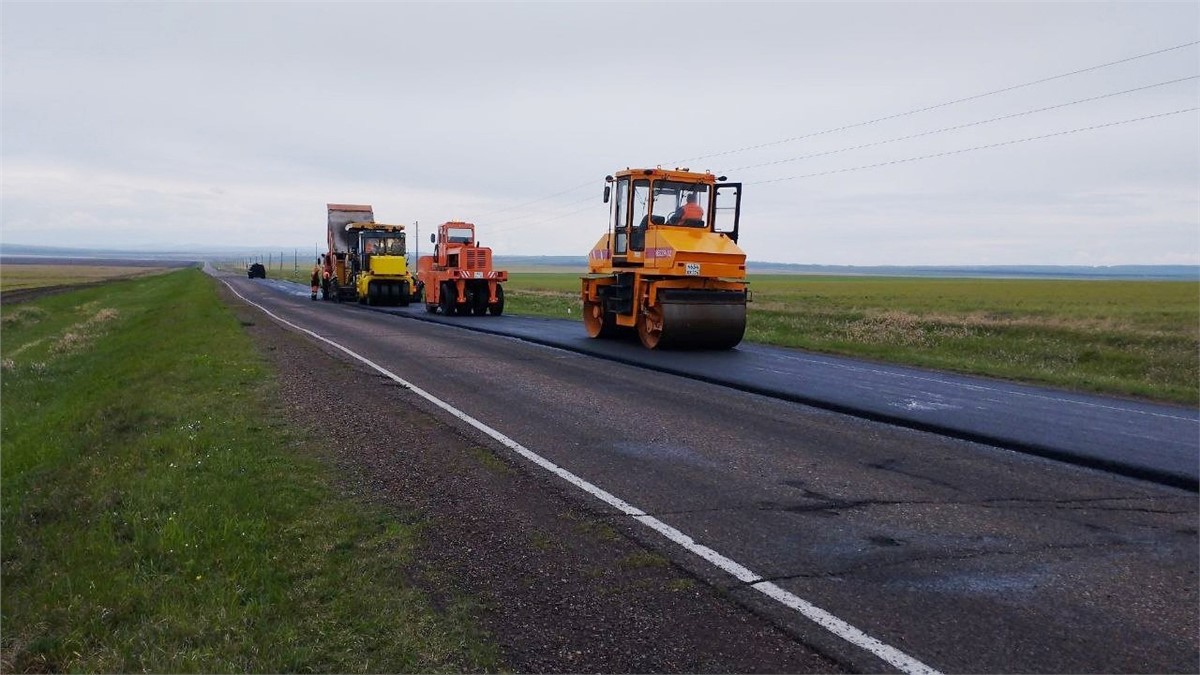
(976, 387)
(847, 632)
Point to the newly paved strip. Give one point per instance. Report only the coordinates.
(1144, 440)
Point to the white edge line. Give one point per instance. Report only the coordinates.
(847, 632)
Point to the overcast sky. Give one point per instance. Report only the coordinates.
(172, 125)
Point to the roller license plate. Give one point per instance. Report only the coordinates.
(692, 269)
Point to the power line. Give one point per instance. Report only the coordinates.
(978, 147)
(939, 105)
(507, 220)
(850, 126)
(538, 222)
(539, 199)
(956, 127)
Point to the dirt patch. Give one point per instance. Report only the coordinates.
(559, 588)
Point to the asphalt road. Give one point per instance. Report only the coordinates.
(967, 557)
(1156, 442)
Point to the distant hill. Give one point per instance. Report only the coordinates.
(574, 261)
(1176, 272)
(578, 262)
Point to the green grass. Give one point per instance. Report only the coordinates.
(1136, 338)
(157, 517)
(18, 277)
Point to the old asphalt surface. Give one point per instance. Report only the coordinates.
(966, 557)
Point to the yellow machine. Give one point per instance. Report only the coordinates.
(366, 260)
(669, 266)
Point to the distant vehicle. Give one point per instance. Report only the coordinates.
(257, 271)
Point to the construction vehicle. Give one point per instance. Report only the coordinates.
(256, 271)
(669, 266)
(458, 278)
(366, 260)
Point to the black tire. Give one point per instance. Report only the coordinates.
(498, 308)
(402, 295)
(446, 301)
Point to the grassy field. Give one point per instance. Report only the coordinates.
(1137, 338)
(157, 518)
(18, 277)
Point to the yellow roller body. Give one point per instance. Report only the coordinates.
(679, 282)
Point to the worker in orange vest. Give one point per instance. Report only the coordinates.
(688, 213)
(316, 278)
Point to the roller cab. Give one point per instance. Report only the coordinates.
(669, 267)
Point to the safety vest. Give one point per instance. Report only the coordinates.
(692, 212)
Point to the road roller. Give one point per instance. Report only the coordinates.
(669, 267)
(458, 278)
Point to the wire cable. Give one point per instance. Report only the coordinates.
(843, 128)
(978, 147)
(539, 199)
(956, 127)
(507, 220)
(939, 105)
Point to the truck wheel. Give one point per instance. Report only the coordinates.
(446, 301)
(498, 308)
